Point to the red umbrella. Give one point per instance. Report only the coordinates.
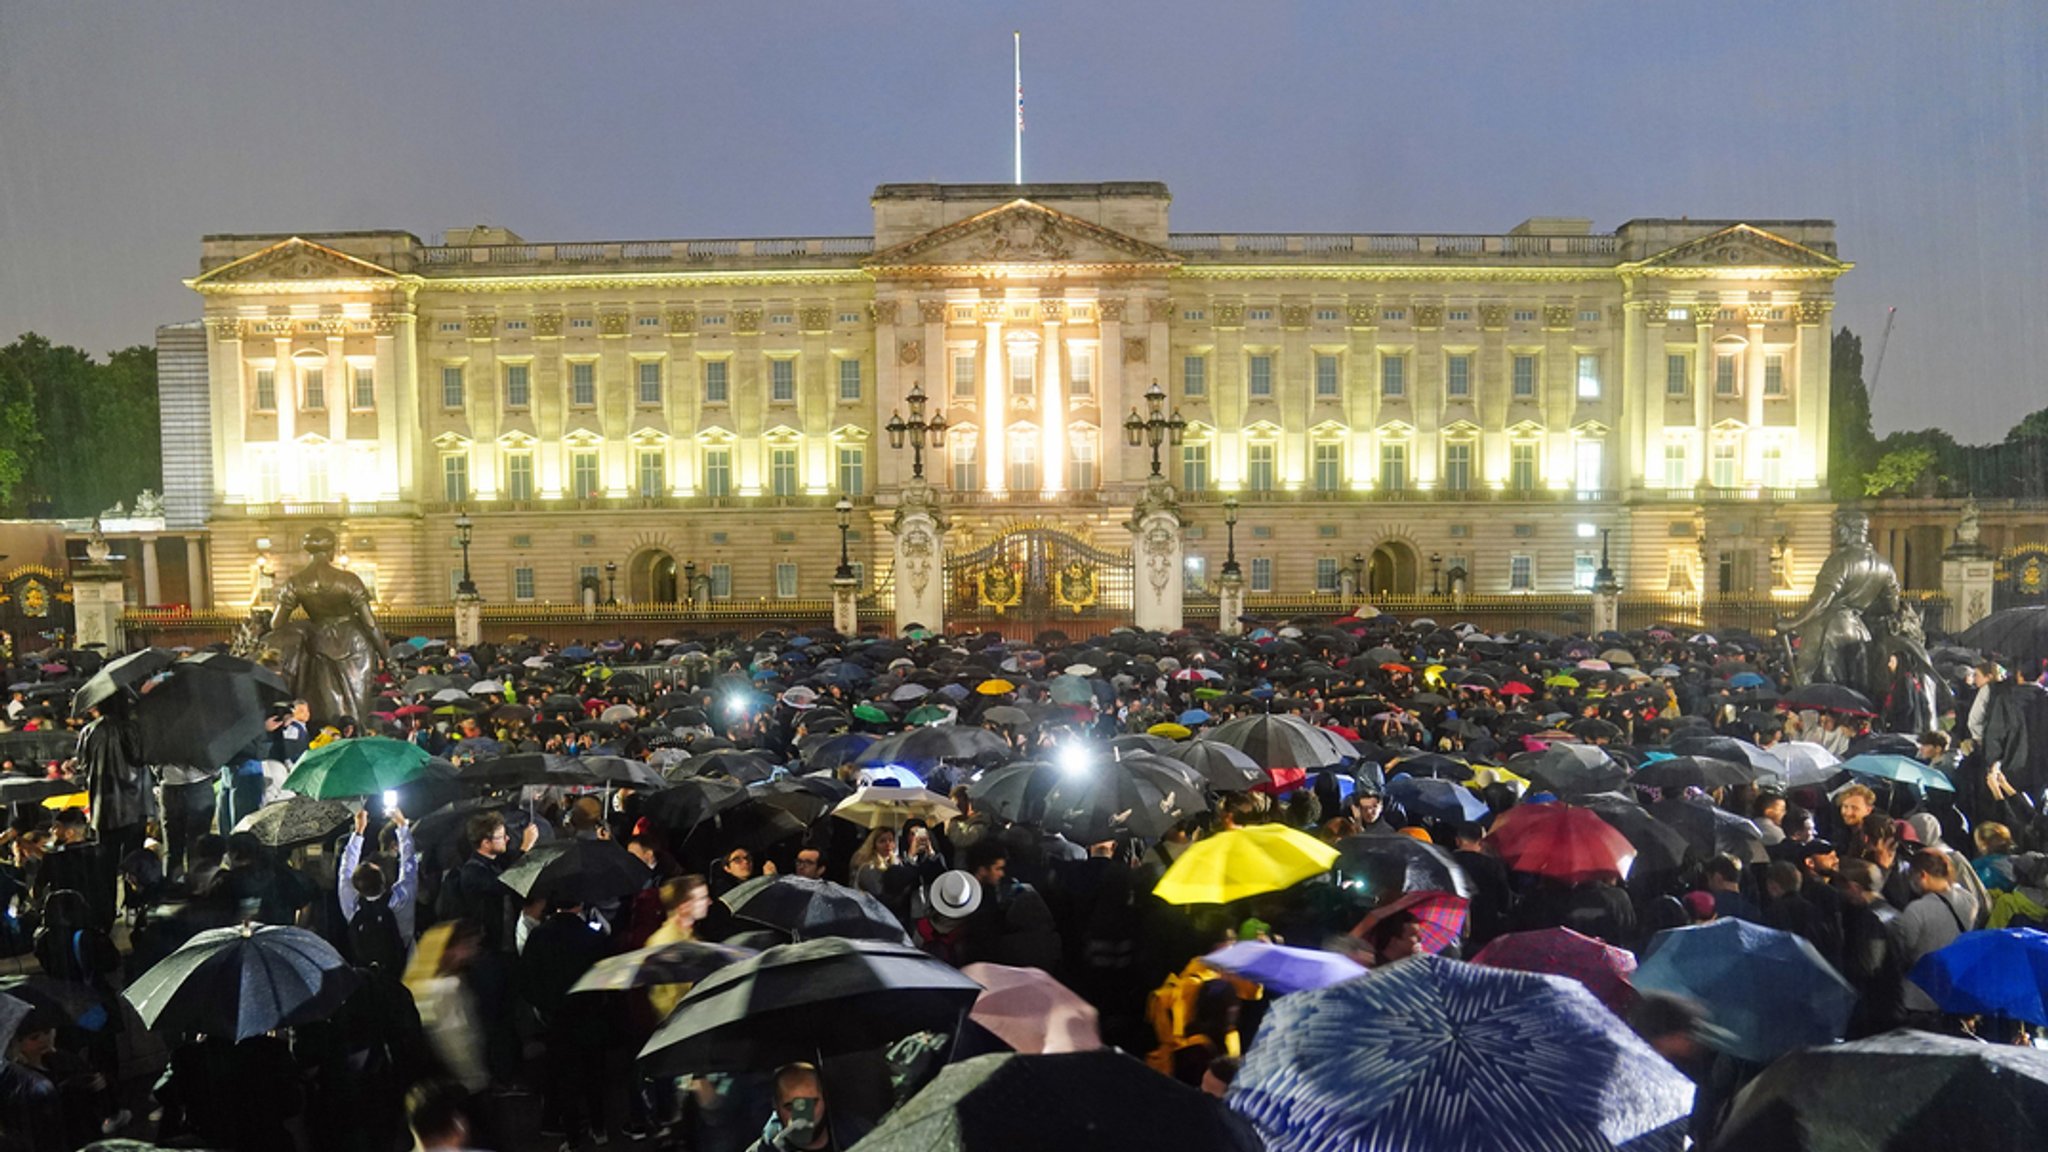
(1441, 915)
(414, 710)
(1563, 843)
(1601, 967)
(1281, 780)
(1516, 688)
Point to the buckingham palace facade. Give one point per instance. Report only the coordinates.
(1395, 411)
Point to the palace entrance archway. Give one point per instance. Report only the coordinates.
(651, 578)
(1392, 570)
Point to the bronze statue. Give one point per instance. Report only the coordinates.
(330, 657)
(1853, 621)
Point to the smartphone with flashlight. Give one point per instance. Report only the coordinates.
(390, 800)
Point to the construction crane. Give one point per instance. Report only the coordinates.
(1883, 342)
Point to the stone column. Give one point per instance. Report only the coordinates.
(197, 593)
(1967, 571)
(1230, 603)
(152, 584)
(1156, 547)
(469, 620)
(920, 561)
(846, 606)
(1606, 607)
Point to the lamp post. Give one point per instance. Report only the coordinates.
(1436, 564)
(1603, 577)
(1230, 567)
(611, 576)
(689, 583)
(1358, 573)
(465, 529)
(917, 431)
(1155, 427)
(845, 510)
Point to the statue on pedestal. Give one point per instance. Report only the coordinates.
(330, 657)
(1853, 624)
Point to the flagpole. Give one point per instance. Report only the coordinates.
(1017, 45)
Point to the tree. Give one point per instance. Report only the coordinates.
(1852, 447)
(18, 436)
(88, 436)
(2033, 426)
(1898, 470)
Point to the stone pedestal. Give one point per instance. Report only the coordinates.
(98, 598)
(1606, 607)
(1230, 603)
(1156, 550)
(1967, 573)
(469, 620)
(845, 606)
(920, 574)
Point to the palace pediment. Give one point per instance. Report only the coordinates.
(1022, 232)
(1740, 246)
(294, 261)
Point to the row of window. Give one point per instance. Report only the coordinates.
(362, 395)
(1259, 571)
(1394, 375)
(1022, 366)
(1728, 373)
(651, 473)
(526, 583)
(716, 380)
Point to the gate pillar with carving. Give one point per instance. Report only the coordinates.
(1156, 547)
(920, 530)
(1968, 574)
(98, 597)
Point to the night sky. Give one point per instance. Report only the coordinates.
(128, 130)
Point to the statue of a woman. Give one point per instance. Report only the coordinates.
(331, 656)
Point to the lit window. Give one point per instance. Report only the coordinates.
(1589, 376)
(1525, 377)
(653, 472)
(782, 479)
(849, 380)
(782, 380)
(1724, 375)
(518, 386)
(1721, 465)
(313, 385)
(964, 449)
(718, 471)
(583, 473)
(717, 386)
(853, 469)
(1326, 376)
(1023, 370)
(1773, 466)
(1081, 371)
(1194, 376)
(519, 476)
(455, 478)
(266, 484)
(1261, 376)
(1327, 465)
(1024, 460)
(1458, 466)
(650, 381)
(963, 375)
(316, 473)
(1677, 376)
(1081, 461)
(365, 392)
(785, 581)
(1774, 375)
(1589, 466)
(1262, 573)
(1394, 376)
(583, 383)
(1458, 375)
(1677, 468)
(1522, 465)
(451, 386)
(1194, 467)
(1585, 566)
(1393, 466)
(266, 389)
(1326, 574)
(1258, 467)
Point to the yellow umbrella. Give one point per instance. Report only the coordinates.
(1170, 730)
(1562, 681)
(1230, 866)
(1433, 675)
(1484, 774)
(995, 687)
(72, 800)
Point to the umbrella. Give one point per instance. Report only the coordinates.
(923, 749)
(1432, 765)
(1224, 767)
(1681, 772)
(1766, 992)
(1071, 1101)
(1899, 769)
(358, 767)
(746, 767)
(616, 770)
(804, 1001)
(2001, 972)
(1805, 764)
(121, 677)
(1659, 847)
(580, 871)
(684, 805)
(1440, 916)
(1828, 698)
(808, 798)
(510, 770)
(1431, 1053)
(1725, 748)
(1230, 866)
(1032, 1012)
(1712, 831)
(881, 806)
(839, 748)
(994, 687)
(679, 962)
(1393, 862)
(812, 909)
(2018, 634)
(1007, 715)
(209, 708)
(32, 789)
(1279, 741)
(243, 982)
(299, 820)
(1900, 1092)
(1435, 799)
(1567, 844)
(1282, 969)
(1600, 966)
(1571, 769)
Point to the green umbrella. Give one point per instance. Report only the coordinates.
(356, 767)
(870, 713)
(1209, 693)
(929, 714)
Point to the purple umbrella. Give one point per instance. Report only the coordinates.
(1283, 969)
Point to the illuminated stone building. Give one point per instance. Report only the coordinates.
(1458, 408)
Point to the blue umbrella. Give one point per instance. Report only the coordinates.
(1282, 969)
(1435, 799)
(575, 652)
(1435, 1053)
(1766, 992)
(1902, 769)
(1747, 680)
(1193, 717)
(1991, 973)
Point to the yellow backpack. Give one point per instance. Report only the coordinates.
(1171, 1012)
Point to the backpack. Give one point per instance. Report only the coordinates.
(374, 937)
(1171, 1012)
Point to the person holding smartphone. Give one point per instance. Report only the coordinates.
(379, 913)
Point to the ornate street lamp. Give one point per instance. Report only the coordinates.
(917, 431)
(845, 510)
(1230, 567)
(465, 528)
(611, 575)
(1155, 427)
(1603, 577)
(1436, 563)
(1358, 573)
(689, 583)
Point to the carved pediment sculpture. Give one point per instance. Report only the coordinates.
(1022, 232)
(293, 261)
(1740, 246)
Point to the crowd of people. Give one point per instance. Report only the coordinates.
(1037, 805)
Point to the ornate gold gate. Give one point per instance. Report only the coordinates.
(1038, 573)
(2022, 577)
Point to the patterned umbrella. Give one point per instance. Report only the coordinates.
(1434, 1053)
(1563, 843)
(299, 820)
(1766, 992)
(1441, 916)
(243, 982)
(1900, 1092)
(1601, 967)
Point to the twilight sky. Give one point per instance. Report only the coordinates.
(128, 130)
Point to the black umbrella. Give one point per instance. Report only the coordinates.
(1693, 772)
(1224, 767)
(1899, 1092)
(243, 982)
(121, 678)
(1571, 769)
(211, 707)
(31, 789)
(46, 745)
(299, 820)
(745, 767)
(1431, 765)
(439, 834)
(1279, 741)
(514, 769)
(804, 1001)
(1727, 748)
(1659, 847)
(813, 909)
(680, 962)
(1829, 698)
(754, 826)
(923, 749)
(684, 805)
(808, 798)
(616, 770)
(1394, 862)
(824, 753)
(1099, 1101)
(1712, 831)
(583, 871)
(2018, 634)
